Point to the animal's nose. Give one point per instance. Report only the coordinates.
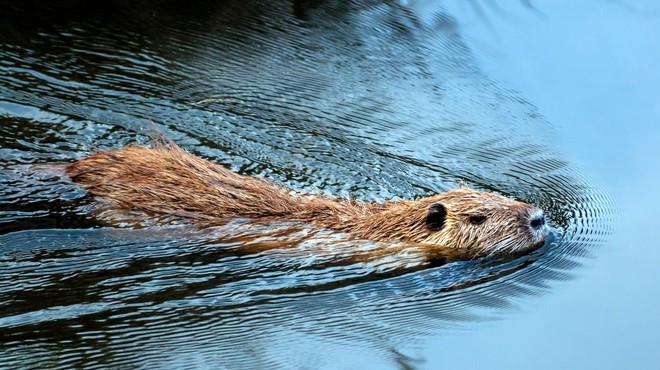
(537, 221)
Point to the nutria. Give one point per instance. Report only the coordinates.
(454, 225)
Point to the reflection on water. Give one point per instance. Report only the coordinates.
(376, 100)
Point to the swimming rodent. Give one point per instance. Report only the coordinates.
(459, 224)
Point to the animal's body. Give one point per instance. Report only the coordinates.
(457, 224)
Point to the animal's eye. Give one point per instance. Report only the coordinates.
(477, 220)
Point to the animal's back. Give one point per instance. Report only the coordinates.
(172, 181)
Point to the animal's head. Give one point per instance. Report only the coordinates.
(483, 223)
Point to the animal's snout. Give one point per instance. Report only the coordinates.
(537, 221)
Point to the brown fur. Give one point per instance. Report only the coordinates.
(169, 180)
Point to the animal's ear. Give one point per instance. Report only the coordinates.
(435, 219)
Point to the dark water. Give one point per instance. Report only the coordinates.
(377, 100)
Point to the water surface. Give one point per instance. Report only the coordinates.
(379, 101)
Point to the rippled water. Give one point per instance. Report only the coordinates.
(362, 98)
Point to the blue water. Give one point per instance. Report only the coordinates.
(591, 69)
(553, 104)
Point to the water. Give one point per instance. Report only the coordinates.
(591, 71)
(380, 101)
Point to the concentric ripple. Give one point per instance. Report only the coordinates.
(339, 98)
